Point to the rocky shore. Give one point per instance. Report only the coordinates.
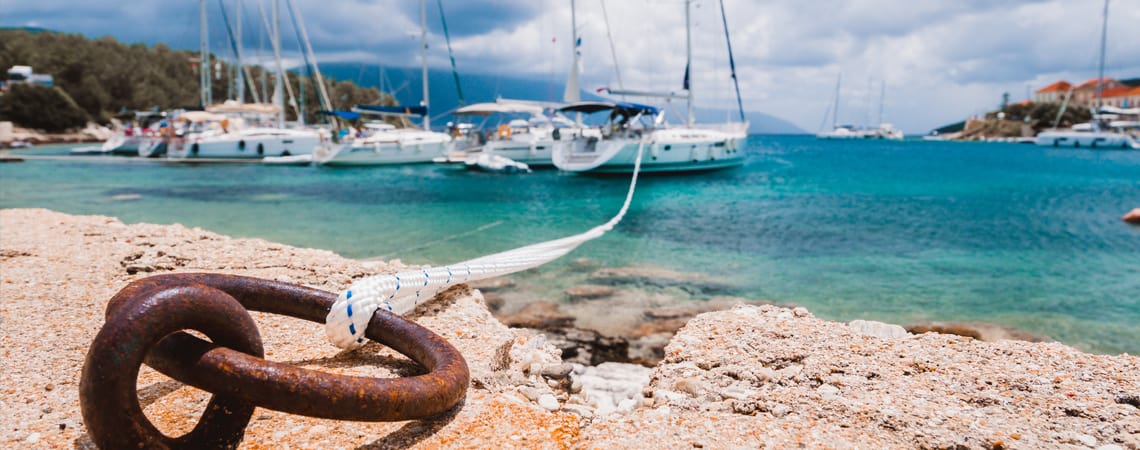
(751, 376)
(89, 134)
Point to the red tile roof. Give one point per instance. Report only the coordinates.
(1123, 91)
(1092, 82)
(1055, 87)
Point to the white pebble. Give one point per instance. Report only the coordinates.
(548, 402)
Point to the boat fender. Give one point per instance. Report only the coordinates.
(241, 145)
(260, 149)
(556, 134)
(504, 131)
(194, 149)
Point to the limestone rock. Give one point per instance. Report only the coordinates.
(878, 329)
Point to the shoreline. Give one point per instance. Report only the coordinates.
(748, 376)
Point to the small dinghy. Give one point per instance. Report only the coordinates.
(489, 162)
(293, 160)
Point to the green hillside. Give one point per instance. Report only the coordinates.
(104, 76)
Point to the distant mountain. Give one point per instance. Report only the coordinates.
(406, 86)
(28, 29)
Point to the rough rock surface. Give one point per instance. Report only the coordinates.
(749, 377)
(768, 375)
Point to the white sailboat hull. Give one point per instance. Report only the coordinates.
(253, 143)
(669, 150)
(1086, 139)
(406, 147)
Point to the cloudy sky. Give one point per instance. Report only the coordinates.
(940, 60)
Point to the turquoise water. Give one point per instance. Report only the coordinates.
(896, 231)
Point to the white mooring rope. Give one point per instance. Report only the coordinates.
(402, 292)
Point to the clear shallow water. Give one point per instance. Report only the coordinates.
(894, 231)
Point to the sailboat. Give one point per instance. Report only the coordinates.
(883, 131)
(1099, 133)
(237, 130)
(632, 128)
(384, 144)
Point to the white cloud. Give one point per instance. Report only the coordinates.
(941, 60)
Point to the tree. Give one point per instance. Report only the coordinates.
(42, 108)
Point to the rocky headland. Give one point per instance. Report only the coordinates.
(750, 376)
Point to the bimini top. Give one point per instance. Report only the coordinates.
(487, 109)
(232, 107)
(346, 115)
(626, 108)
(391, 110)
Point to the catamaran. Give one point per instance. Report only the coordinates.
(1099, 133)
(631, 128)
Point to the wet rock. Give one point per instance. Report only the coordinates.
(492, 284)
(986, 332)
(589, 292)
(588, 347)
(1132, 216)
(540, 315)
(694, 284)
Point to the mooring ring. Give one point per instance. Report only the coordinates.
(247, 378)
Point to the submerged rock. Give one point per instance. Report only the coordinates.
(692, 283)
(589, 292)
(981, 331)
(1132, 216)
(540, 315)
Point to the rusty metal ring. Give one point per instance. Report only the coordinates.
(107, 390)
(232, 374)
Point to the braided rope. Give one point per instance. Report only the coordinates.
(400, 293)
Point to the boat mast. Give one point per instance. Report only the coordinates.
(835, 115)
(882, 100)
(278, 95)
(571, 94)
(613, 50)
(423, 58)
(310, 60)
(240, 66)
(1100, 72)
(204, 51)
(689, 60)
(261, 52)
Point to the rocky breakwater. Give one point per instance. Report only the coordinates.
(748, 377)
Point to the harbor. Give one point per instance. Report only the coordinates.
(569, 224)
